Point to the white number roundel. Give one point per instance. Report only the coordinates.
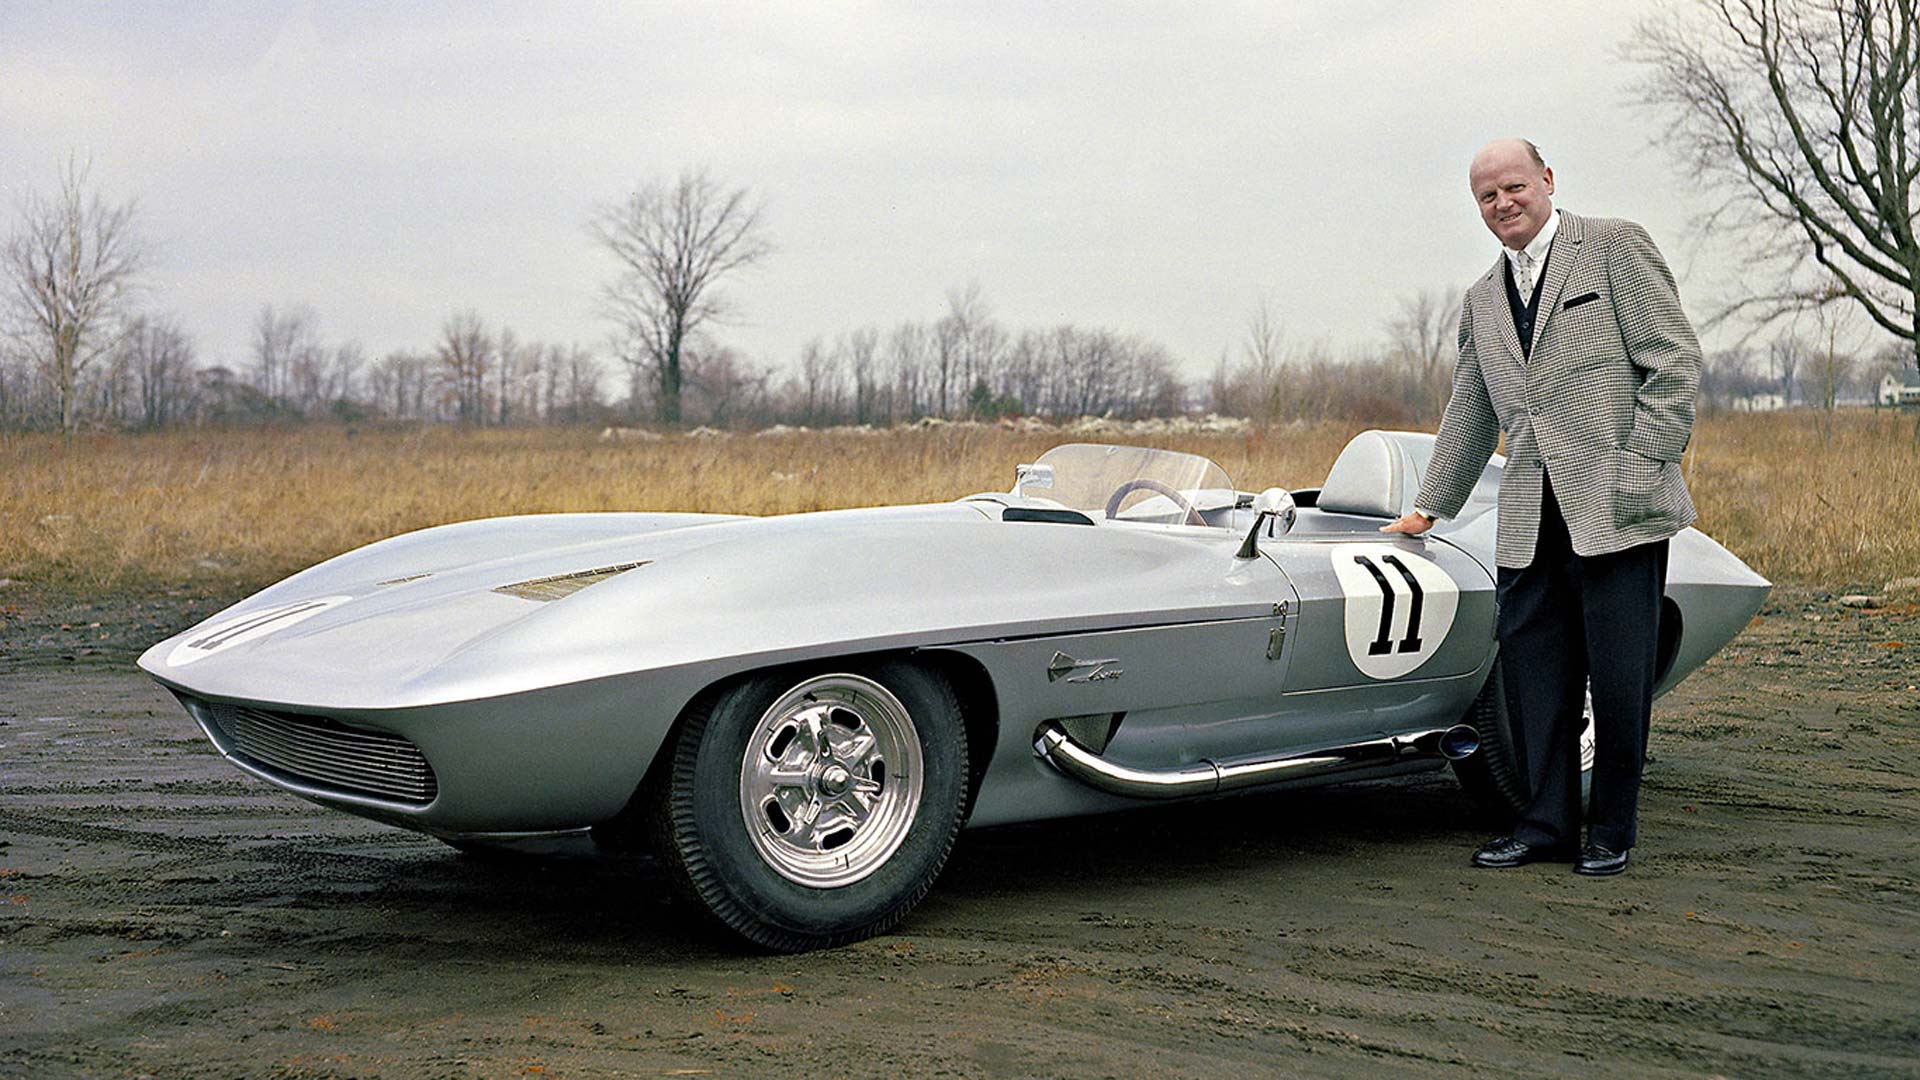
(1399, 607)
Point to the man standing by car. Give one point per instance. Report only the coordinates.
(1575, 348)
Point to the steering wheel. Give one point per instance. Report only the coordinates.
(1148, 483)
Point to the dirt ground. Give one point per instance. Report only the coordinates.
(162, 914)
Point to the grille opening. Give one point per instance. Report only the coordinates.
(320, 753)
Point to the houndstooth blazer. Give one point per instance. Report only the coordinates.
(1604, 405)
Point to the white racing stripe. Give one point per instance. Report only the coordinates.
(207, 640)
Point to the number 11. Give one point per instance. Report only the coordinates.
(1382, 645)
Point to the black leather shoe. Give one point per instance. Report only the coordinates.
(1506, 852)
(1599, 860)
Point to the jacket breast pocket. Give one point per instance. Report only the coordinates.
(1580, 300)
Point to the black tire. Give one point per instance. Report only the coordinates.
(752, 885)
(1493, 775)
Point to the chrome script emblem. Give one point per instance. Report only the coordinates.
(1081, 671)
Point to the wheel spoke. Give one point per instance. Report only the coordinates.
(786, 775)
(832, 818)
(855, 751)
(856, 808)
(792, 801)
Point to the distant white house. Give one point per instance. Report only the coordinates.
(1761, 402)
(1896, 393)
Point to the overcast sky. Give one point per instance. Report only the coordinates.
(1153, 168)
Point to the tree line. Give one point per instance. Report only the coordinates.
(81, 350)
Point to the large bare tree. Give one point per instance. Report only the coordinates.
(1803, 116)
(675, 243)
(70, 270)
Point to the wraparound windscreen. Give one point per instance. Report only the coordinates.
(1086, 477)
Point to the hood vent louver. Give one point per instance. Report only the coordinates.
(561, 586)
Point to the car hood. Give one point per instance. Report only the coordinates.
(494, 607)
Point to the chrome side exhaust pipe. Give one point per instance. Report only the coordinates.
(1053, 745)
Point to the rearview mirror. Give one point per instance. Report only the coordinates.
(1032, 476)
(1274, 509)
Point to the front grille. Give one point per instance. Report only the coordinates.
(322, 753)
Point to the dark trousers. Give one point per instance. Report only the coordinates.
(1563, 619)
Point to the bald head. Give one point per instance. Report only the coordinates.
(1507, 147)
(1514, 189)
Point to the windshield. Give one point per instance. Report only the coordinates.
(1127, 482)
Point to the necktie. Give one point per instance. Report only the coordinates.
(1523, 272)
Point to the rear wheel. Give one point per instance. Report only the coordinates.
(1494, 774)
(809, 811)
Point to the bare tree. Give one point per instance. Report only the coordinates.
(1727, 376)
(160, 357)
(969, 343)
(289, 364)
(70, 270)
(725, 387)
(397, 386)
(464, 351)
(675, 244)
(949, 345)
(907, 352)
(818, 390)
(862, 349)
(1420, 339)
(1259, 391)
(1832, 363)
(575, 382)
(343, 376)
(1784, 354)
(1802, 115)
(507, 363)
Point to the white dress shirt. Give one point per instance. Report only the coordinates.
(1536, 248)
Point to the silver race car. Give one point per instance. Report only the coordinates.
(798, 714)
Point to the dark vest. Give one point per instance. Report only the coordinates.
(1523, 312)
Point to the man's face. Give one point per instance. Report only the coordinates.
(1515, 195)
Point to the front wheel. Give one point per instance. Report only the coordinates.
(804, 812)
(1494, 774)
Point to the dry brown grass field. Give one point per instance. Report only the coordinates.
(1825, 501)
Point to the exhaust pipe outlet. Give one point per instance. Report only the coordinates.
(1459, 742)
(1053, 745)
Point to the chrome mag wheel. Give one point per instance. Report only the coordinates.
(831, 780)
